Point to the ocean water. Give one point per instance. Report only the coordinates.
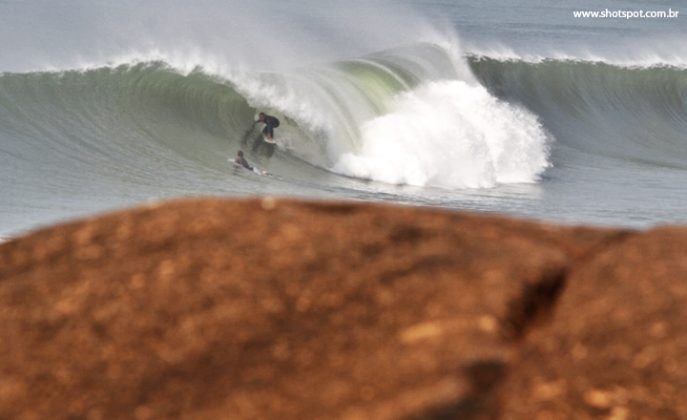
(496, 106)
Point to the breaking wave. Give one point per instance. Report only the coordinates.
(413, 115)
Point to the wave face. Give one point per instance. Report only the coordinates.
(124, 123)
(597, 110)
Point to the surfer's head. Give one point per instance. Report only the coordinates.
(240, 153)
(261, 116)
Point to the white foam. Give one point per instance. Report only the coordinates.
(635, 58)
(450, 134)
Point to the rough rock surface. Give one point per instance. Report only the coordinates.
(282, 309)
(617, 347)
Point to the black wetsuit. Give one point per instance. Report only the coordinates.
(243, 162)
(270, 124)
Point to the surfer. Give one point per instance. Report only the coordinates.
(240, 160)
(267, 139)
(267, 132)
(270, 124)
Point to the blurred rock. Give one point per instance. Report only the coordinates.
(617, 347)
(282, 309)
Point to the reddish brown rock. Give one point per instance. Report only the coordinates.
(263, 309)
(617, 346)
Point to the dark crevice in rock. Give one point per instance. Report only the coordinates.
(538, 299)
(534, 303)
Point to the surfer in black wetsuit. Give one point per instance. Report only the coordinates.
(270, 124)
(240, 160)
(267, 134)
